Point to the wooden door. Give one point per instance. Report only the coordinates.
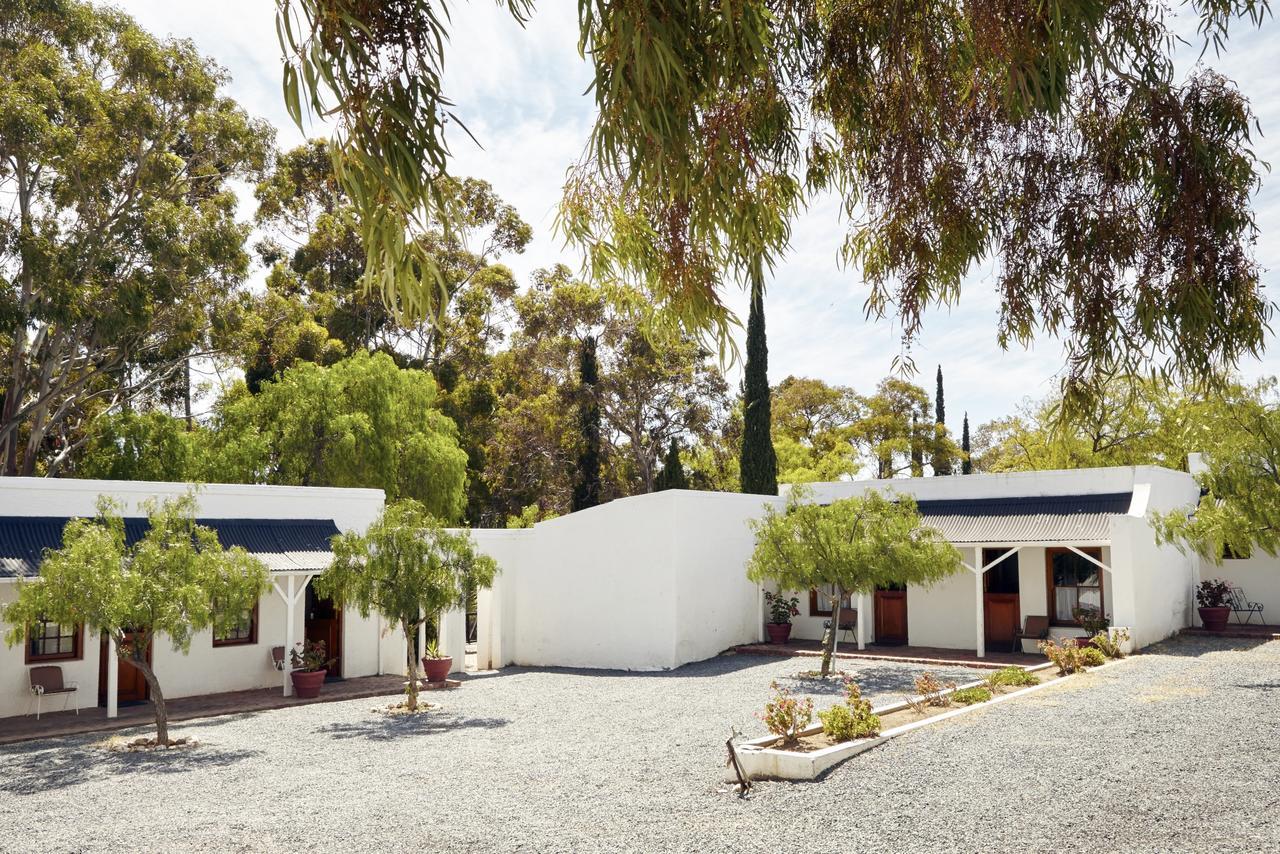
(891, 617)
(324, 623)
(1002, 617)
(132, 687)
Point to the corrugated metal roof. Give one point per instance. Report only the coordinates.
(284, 545)
(1026, 519)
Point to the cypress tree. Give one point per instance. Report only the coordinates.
(586, 491)
(672, 474)
(759, 462)
(966, 465)
(940, 459)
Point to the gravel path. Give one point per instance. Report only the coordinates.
(1175, 750)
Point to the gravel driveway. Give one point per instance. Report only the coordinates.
(1175, 750)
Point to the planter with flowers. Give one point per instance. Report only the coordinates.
(1212, 596)
(781, 610)
(310, 666)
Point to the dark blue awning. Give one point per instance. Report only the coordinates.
(284, 545)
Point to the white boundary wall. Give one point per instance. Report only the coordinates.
(642, 583)
(206, 669)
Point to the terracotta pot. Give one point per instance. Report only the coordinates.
(1215, 619)
(437, 669)
(779, 633)
(307, 683)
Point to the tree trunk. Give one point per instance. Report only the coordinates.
(157, 696)
(411, 690)
(829, 640)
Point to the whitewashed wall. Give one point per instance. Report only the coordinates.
(1258, 575)
(205, 669)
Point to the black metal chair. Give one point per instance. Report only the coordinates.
(1240, 604)
(848, 623)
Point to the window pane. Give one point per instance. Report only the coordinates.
(1091, 598)
(1086, 573)
(1064, 602)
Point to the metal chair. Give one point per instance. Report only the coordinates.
(848, 625)
(1240, 604)
(47, 680)
(277, 657)
(1035, 628)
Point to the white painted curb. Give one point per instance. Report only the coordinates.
(759, 761)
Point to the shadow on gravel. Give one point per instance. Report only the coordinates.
(381, 727)
(1194, 646)
(721, 665)
(874, 680)
(38, 769)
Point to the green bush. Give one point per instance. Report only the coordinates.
(1011, 677)
(1091, 657)
(852, 720)
(1110, 641)
(1068, 656)
(969, 696)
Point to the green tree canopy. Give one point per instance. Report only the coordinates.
(119, 249)
(408, 568)
(176, 581)
(852, 545)
(361, 422)
(813, 430)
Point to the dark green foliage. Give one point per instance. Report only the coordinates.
(586, 490)
(672, 475)
(939, 403)
(759, 462)
(966, 464)
(917, 448)
(941, 457)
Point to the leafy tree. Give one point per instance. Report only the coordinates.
(119, 250)
(408, 568)
(672, 475)
(966, 459)
(850, 546)
(149, 445)
(176, 581)
(813, 430)
(362, 422)
(886, 429)
(941, 458)
(586, 491)
(759, 467)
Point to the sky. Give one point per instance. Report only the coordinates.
(522, 93)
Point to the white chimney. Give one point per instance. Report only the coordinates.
(1196, 464)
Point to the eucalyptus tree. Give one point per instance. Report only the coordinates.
(1055, 139)
(120, 249)
(176, 581)
(408, 568)
(852, 545)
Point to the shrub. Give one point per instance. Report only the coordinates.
(1065, 656)
(852, 720)
(932, 690)
(781, 609)
(1212, 593)
(1091, 657)
(969, 696)
(1109, 642)
(786, 715)
(1011, 677)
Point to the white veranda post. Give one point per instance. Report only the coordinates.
(113, 678)
(291, 592)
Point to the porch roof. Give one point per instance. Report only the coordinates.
(1026, 519)
(284, 545)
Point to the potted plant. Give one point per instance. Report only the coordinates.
(1212, 598)
(1092, 620)
(310, 666)
(435, 665)
(781, 610)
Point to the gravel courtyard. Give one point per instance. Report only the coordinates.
(1174, 750)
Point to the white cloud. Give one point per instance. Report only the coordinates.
(521, 92)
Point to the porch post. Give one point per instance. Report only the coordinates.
(453, 638)
(981, 633)
(422, 638)
(862, 621)
(289, 601)
(113, 678)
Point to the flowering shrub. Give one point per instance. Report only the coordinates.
(786, 715)
(1212, 593)
(1109, 642)
(932, 690)
(1091, 619)
(852, 720)
(1011, 677)
(1066, 656)
(781, 609)
(969, 696)
(1091, 656)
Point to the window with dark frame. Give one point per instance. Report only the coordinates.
(50, 641)
(1074, 582)
(243, 632)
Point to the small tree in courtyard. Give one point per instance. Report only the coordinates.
(409, 569)
(849, 546)
(176, 581)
